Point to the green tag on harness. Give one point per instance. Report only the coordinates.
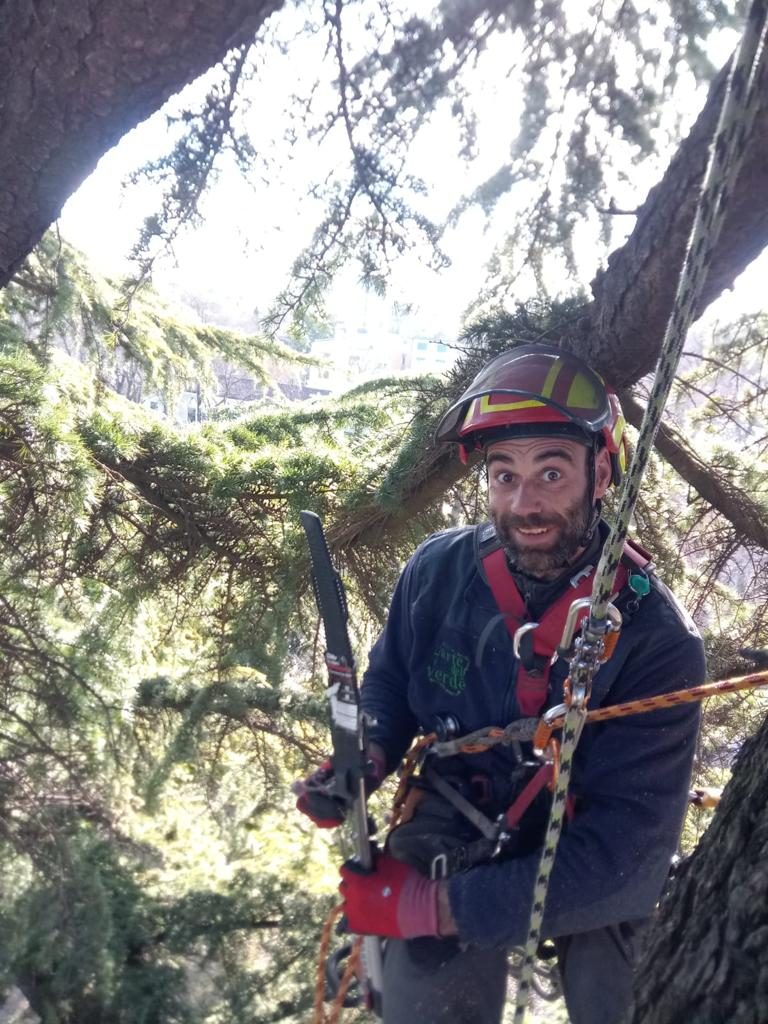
(639, 584)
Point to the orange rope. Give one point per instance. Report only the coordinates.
(325, 942)
(493, 733)
(351, 969)
(661, 700)
(410, 764)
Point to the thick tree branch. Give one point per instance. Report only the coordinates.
(438, 470)
(76, 76)
(427, 481)
(622, 329)
(705, 960)
(633, 296)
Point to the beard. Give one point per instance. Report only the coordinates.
(572, 528)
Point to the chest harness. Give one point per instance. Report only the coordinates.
(537, 646)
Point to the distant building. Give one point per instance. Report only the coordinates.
(352, 357)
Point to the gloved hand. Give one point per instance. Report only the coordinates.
(393, 900)
(315, 793)
(315, 799)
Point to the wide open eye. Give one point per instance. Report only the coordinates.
(504, 476)
(552, 475)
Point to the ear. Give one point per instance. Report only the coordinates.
(603, 473)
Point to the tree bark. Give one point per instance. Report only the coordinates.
(705, 962)
(76, 76)
(633, 297)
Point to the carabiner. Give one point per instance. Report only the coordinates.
(519, 634)
(566, 640)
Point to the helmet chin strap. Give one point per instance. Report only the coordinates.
(589, 533)
(594, 505)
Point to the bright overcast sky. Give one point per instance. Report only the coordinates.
(241, 255)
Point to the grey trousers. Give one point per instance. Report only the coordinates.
(440, 981)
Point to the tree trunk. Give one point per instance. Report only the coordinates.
(633, 296)
(76, 76)
(706, 959)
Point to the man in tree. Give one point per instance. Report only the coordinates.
(450, 902)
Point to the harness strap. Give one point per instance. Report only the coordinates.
(466, 855)
(537, 644)
(544, 777)
(447, 791)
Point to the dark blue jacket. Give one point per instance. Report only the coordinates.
(441, 653)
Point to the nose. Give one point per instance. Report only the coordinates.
(525, 499)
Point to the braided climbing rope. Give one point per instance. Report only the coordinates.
(726, 152)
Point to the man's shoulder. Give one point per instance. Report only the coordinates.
(454, 539)
(662, 607)
(452, 548)
(671, 608)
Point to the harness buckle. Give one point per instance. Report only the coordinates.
(438, 869)
(503, 838)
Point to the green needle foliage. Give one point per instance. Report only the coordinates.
(133, 342)
(586, 93)
(158, 680)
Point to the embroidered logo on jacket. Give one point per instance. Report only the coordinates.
(448, 669)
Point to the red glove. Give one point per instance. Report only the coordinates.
(315, 793)
(393, 900)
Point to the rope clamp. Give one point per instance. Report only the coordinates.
(593, 647)
(551, 716)
(565, 647)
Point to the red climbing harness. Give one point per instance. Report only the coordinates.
(536, 644)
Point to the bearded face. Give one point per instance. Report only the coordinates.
(542, 544)
(538, 500)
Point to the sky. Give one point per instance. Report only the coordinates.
(243, 251)
(239, 257)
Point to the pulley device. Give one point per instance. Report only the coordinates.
(348, 729)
